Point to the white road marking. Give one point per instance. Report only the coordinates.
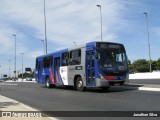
(8, 84)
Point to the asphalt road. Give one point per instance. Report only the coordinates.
(66, 99)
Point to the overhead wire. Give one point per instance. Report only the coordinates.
(32, 15)
(82, 21)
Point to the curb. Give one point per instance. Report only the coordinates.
(149, 89)
(145, 87)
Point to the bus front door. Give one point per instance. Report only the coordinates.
(90, 68)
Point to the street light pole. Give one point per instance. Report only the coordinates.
(149, 50)
(45, 25)
(43, 46)
(15, 57)
(101, 21)
(9, 68)
(22, 65)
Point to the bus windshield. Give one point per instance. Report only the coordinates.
(112, 59)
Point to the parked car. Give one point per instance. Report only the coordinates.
(28, 79)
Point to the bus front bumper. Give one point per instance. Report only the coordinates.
(107, 83)
(102, 83)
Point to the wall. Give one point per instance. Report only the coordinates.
(153, 75)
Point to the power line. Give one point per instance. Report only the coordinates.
(83, 20)
(32, 15)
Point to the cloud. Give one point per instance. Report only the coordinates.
(81, 22)
(5, 42)
(156, 30)
(68, 21)
(68, 18)
(34, 54)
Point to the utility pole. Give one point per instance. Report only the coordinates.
(149, 49)
(9, 69)
(101, 21)
(43, 45)
(45, 24)
(15, 58)
(22, 65)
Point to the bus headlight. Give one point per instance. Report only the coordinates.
(101, 76)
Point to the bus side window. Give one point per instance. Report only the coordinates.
(65, 57)
(75, 57)
(57, 63)
(47, 61)
(50, 61)
(40, 66)
(70, 58)
(36, 63)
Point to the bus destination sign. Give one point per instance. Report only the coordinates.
(108, 46)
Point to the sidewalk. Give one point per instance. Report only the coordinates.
(7, 104)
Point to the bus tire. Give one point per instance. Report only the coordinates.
(47, 83)
(79, 84)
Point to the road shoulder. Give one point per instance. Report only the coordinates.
(8, 105)
(146, 87)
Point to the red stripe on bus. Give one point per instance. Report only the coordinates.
(51, 76)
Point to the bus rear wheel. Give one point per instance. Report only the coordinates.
(47, 83)
(79, 84)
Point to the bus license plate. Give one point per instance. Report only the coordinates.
(116, 84)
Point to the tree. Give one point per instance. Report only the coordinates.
(131, 67)
(158, 64)
(141, 65)
(154, 65)
(25, 75)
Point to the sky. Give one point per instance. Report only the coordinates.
(69, 21)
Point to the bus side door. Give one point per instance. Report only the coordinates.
(90, 68)
(57, 77)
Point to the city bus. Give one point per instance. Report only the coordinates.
(95, 64)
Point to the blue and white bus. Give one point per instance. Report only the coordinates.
(96, 64)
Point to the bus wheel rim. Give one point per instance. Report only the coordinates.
(47, 84)
(80, 84)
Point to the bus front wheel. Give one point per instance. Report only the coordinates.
(79, 84)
